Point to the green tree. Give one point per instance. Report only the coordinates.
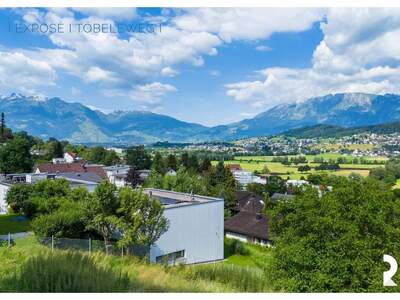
(205, 164)
(55, 148)
(15, 156)
(275, 184)
(102, 210)
(158, 163)
(256, 188)
(335, 242)
(304, 168)
(95, 155)
(18, 197)
(138, 157)
(171, 162)
(184, 161)
(193, 163)
(142, 221)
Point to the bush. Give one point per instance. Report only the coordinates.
(67, 272)
(239, 248)
(68, 221)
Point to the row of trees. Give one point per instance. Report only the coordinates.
(57, 210)
(216, 181)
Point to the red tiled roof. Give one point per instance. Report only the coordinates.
(235, 167)
(75, 167)
(62, 168)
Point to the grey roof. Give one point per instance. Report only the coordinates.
(87, 177)
(279, 196)
(175, 199)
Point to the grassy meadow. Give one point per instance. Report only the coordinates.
(30, 267)
(257, 163)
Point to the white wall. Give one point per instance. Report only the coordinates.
(198, 229)
(3, 193)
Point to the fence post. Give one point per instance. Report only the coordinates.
(9, 239)
(52, 243)
(122, 251)
(90, 246)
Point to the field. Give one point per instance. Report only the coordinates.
(238, 273)
(11, 224)
(257, 163)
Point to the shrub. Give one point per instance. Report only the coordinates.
(68, 221)
(67, 272)
(239, 248)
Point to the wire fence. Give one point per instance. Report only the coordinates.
(84, 245)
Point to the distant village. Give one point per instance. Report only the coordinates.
(359, 145)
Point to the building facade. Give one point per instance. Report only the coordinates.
(196, 228)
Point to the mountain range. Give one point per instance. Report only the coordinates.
(53, 117)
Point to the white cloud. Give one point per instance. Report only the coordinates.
(169, 72)
(151, 93)
(359, 53)
(215, 73)
(119, 14)
(248, 23)
(23, 73)
(96, 74)
(263, 48)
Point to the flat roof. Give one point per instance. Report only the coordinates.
(176, 199)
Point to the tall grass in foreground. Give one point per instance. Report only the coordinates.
(67, 272)
(243, 279)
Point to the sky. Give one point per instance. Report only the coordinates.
(205, 65)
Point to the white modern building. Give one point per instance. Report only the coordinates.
(196, 228)
(246, 177)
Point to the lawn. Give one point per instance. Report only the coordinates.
(10, 224)
(257, 257)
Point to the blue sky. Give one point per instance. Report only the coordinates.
(209, 66)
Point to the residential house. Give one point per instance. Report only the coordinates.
(71, 157)
(248, 201)
(248, 226)
(196, 228)
(250, 223)
(85, 179)
(117, 174)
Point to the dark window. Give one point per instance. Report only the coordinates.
(170, 257)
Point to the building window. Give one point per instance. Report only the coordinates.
(171, 257)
